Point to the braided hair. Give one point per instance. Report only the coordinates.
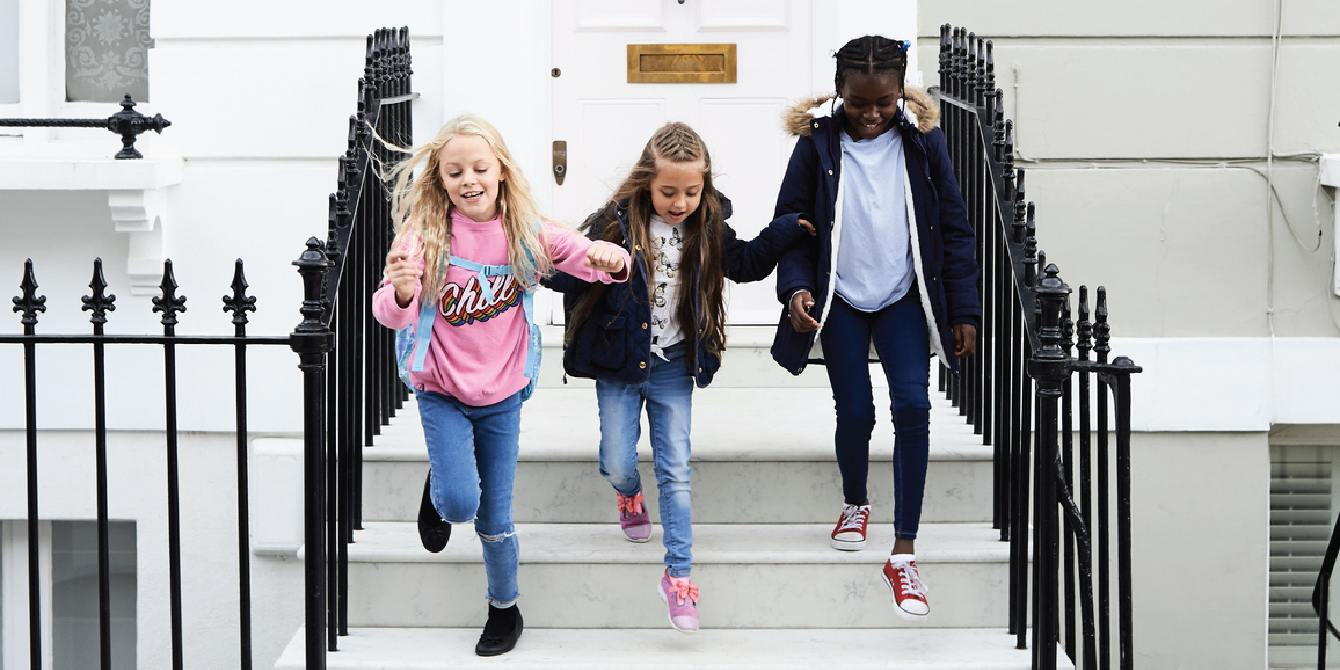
(871, 55)
(673, 142)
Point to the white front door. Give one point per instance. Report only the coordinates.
(606, 121)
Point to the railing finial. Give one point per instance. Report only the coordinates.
(29, 303)
(1085, 328)
(1067, 327)
(239, 303)
(100, 302)
(168, 303)
(1020, 207)
(989, 73)
(1032, 258)
(1102, 332)
(944, 57)
(980, 78)
(970, 69)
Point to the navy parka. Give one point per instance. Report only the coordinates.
(614, 343)
(946, 241)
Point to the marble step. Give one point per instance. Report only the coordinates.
(539, 648)
(751, 576)
(760, 455)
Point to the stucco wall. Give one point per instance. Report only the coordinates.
(1180, 243)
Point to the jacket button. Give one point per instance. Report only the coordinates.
(830, 173)
(637, 247)
(816, 124)
(642, 364)
(700, 369)
(932, 278)
(644, 326)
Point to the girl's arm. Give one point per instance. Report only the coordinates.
(797, 267)
(595, 225)
(960, 269)
(385, 308)
(754, 260)
(572, 254)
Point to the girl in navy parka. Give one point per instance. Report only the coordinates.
(649, 340)
(893, 264)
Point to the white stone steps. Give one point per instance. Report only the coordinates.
(752, 576)
(433, 648)
(755, 457)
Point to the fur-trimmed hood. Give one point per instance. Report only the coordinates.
(920, 107)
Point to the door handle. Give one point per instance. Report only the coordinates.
(560, 161)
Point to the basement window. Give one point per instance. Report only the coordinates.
(1303, 510)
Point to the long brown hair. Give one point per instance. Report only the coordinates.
(675, 143)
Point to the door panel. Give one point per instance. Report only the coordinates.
(606, 121)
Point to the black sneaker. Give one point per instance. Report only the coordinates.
(433, 531)
(501, 632)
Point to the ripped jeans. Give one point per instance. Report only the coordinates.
(472, 452)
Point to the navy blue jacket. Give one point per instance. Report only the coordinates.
(614, 343)
(948, 250)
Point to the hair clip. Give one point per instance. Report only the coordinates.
(904, 45)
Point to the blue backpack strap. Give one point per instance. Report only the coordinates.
(422, 335)
(485, 271)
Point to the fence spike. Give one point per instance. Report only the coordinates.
(1101, 330)
(980, 77)
(989, 69)
(1067, 327)
(100, 302)
(168, 303)
(970, 69)
(1030, 235)
(29, 303)
(1085, 328)
(409, 57)
(1020, 208)
(239, 303)
(944, 57)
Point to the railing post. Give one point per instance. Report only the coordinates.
(29, 304)
(1049, 367)
(312, 340)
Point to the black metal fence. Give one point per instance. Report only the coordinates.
(350, 387)
(1018, 392)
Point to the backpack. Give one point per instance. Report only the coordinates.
(412, 341)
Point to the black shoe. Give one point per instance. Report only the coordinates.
(501, 632)
(433, 531)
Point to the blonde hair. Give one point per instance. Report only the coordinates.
(422, 208)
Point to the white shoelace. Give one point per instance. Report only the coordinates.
(851, 517)
(910, 579)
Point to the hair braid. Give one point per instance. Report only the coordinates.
(871, 55)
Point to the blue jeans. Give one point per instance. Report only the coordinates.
(668, 394)
(899, 334)
(472, 452)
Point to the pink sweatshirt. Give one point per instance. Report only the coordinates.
(478, 349)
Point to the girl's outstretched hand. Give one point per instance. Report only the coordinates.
(603, 257)
(965, 339)
(402, 274)
(809, 227)
(801, 320)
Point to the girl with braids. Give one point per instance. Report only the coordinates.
(893, 264)
(470, 242)
(649, 340)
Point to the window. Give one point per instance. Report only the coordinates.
(106, 50)
(1302, 514)
(9, 51)
(68, 573)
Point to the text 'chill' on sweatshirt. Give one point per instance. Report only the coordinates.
(477, 353)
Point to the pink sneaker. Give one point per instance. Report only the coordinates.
(633, 517)
(682, 597)
(909, 594)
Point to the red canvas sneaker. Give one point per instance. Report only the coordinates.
(909, 594)
(849, 535)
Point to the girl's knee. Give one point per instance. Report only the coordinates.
(860, 417)
(456, 508)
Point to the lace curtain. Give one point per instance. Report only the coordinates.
(106, 50)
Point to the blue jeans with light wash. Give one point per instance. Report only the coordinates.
(668, 395)
(472, 452)
(899, 335)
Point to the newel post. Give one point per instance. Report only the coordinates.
(312, 340)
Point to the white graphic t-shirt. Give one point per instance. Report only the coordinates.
(666, 243)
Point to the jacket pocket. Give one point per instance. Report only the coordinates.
(609, 349)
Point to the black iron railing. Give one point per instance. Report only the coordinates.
(350, 387)
(127, 123)
(29, 304)
(1018, 392)
(1321, 596)
(356, 389)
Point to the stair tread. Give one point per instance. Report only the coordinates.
(427, 648)
(562, 424)
(398, 542)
